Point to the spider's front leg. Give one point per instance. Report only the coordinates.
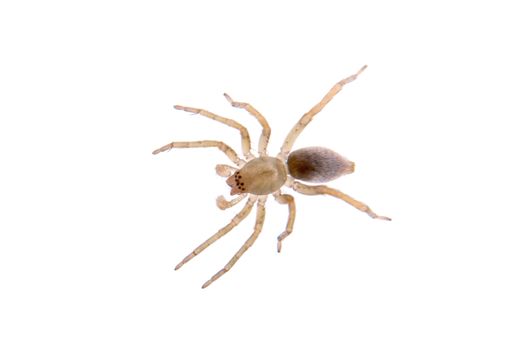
(256, 231)
(203, 144)
(245, 136)
(265, 135)
(234, 222)
(322, 189)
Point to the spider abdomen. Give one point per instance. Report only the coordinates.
(263, 175)
(318, 164)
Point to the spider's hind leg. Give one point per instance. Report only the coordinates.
(308, 116)
(322, 189)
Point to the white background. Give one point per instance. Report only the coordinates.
(92, 224)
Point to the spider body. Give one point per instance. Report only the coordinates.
(260, 176)
(318, 164)
(257, 177)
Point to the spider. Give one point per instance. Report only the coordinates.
(255, 178)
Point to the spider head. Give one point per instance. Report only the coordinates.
(263, 175)
(236, 183)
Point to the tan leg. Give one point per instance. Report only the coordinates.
(315, 190)
(234, 222)
(307, 117)
(256, 231)
(286, 199)
(245, 136)
(265, 136)
(196, 144)
(223, 204)
(225, 170)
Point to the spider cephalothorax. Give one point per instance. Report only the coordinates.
(260, 176)
(257, 177)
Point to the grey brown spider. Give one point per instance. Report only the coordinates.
(257, 177)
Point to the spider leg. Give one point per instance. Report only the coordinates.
(245, 136)
(196, 144)
(308, 116)
(256, 231)
(286, 199)
(315, 190)
(234, 222)
(265, 135)
(223, 204)
(225, 170)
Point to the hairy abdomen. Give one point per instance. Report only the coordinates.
(318, 164)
